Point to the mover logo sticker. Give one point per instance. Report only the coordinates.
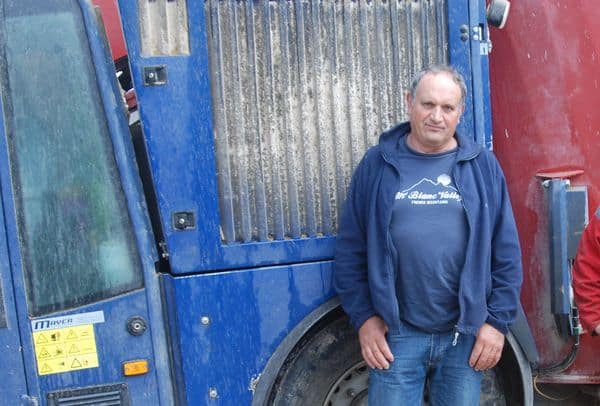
(69, 348)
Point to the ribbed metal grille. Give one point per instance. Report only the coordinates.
(300, 90)
(106, 395)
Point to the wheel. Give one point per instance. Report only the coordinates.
(324, 369)
(327, 369)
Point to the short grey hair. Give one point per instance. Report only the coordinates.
(435, 70)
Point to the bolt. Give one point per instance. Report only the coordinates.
(212, 392)
(151, 75)
(205, 320)
(181, 221)
(351, 392)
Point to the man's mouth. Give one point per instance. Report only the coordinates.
(434, 127)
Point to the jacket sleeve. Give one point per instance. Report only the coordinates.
(350, 271)
(506, 266)
(586, 275)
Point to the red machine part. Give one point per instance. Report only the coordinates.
(112, 23)
(545, 85)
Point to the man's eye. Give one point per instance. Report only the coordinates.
(448, 109)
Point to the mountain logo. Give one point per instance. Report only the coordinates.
(427, 191)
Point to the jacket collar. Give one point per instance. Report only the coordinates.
(467, 148)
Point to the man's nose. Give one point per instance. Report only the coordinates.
(436, 114)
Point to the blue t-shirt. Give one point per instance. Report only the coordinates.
(429, 237)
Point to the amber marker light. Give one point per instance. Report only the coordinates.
(138, 367)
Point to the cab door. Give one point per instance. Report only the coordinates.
(79, 243)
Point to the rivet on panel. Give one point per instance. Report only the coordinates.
(212, 393)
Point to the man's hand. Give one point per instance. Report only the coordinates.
(487, 349)
(373, 345)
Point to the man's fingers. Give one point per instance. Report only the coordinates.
(382, 362)
(475, 354)
(385, 350)
(482, 363)
(371, 362)
(375, 358)
(374, 346)
(487, 349)
(487, 360)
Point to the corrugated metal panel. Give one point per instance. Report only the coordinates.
(300, 90)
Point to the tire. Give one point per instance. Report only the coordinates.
(327, 369)
(317, 365)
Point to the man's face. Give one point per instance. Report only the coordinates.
(434, 113)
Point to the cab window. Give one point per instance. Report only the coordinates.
(76, 239)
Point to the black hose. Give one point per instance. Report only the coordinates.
(564, 364)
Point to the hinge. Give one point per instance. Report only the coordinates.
(485, 45)
(164, 251)
(477, 34)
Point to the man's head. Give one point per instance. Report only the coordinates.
(435, 104)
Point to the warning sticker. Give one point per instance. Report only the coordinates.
(65, 349)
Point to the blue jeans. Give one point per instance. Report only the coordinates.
(421, 357)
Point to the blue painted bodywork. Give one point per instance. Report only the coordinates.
(249, 313)
(252, 294)
(13, 382)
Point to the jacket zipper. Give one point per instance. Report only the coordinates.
(457, 181)
(456, 334)
(388, 259)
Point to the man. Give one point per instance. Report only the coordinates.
(427, 259)
(586, 276)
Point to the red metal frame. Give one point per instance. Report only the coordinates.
(545, 79)
(112, 23)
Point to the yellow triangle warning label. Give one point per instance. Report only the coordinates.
(45, 369)
(41, 339)
(44, 353)
(74, 349)
(76, 364)
(71, 335)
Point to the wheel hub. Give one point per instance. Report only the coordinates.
(351, 388)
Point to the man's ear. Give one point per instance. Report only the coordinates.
(408, 98)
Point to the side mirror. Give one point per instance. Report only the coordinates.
(497, 12)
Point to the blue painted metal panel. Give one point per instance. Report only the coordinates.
(13, 376)
(115, 345)
(466, 55)
(138, 213)
(178, 125)
(460, 57)
(177, 122)
(560, 275)
(249, 313)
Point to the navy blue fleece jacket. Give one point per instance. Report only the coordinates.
(490, 280)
